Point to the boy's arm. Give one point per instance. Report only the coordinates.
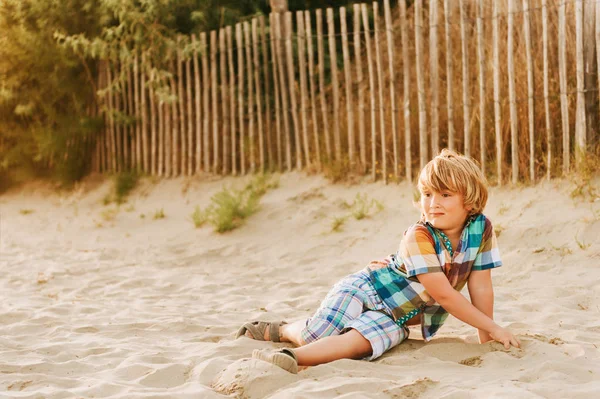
(437, 285)
(481, 292)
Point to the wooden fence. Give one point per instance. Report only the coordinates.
(502, 81)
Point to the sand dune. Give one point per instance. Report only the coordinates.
(99, 303)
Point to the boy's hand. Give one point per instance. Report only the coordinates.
(505, 337)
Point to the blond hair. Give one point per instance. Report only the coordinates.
(456, 173)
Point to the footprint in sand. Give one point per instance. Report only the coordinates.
(415, 389)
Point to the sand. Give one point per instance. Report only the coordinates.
(102, 302)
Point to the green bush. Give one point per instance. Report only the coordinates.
(229, 208)
(125, 182)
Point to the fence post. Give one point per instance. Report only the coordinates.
(198, 105)
(423, 129)
(391, 59)
(347, 85)
(497, 128)
(530, 90)
(365, 17)
(564, 100)
(182, 148)
(334, 84)
(406, 94)
(380, 91)
(292, 86)
(465, 73)
(312, 88)
(361, 94)
(549, 133)
(450, 73)
(274, 43)
(434, 76)
(481, 63)
(303, 90)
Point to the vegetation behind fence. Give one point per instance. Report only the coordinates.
(377, 89)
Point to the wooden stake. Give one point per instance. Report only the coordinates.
(580, 123)
(465, 73)
(292, 86)
(232, 113)
(334, 85)
(496, 40)
(530, 93)
(131, 113)
(144, 95)
(482, 92)
(312, 88)
(112, 141)
(347, 85)
(138, 112)
(434, 76)
(275, 43)
(205, 101)
(225, 132)
(323, 97)
(118, 124)
(449, 74)
(198, 105)
(549, 133)
(161, 138)
(421, 97)
(215, 98)
(126, 111)
(250, 96)
(365, 17)
(303, 90)
(190, 115)
(121, 105)
(100, 140)
(168, 131)
(359, 82)
(240, 48)
(380, 91)
(267, 80)
(175, 164)
(406, 94)
(514, 138)
(257, 91)
(182, 148)
(562, 71)
(153, 164)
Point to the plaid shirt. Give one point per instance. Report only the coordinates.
(422, 250)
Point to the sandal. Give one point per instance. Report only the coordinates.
(285, 358)
(257, 330)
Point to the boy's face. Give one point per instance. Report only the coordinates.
(444, 210)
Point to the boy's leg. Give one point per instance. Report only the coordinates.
(350, 345)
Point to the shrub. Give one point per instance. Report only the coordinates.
(229, 208)
(159, 214)
(125, 182)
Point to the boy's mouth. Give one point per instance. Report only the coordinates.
(436, 214)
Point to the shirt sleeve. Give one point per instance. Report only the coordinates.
(488, 256)
(418, 253)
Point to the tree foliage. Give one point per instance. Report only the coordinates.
(49, 56)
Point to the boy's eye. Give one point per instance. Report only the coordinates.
(427, 195)
(446, 195)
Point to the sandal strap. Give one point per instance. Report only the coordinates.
(274, 331)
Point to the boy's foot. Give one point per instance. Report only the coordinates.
(285, 358)
(261, 330)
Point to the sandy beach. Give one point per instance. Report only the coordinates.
(106, 301)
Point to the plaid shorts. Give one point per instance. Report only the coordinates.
(354, 303)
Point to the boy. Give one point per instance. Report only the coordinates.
(368, 312)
